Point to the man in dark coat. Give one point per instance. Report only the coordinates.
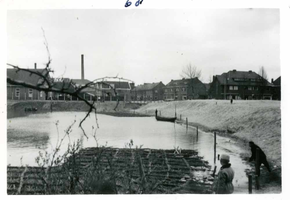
(262, 157)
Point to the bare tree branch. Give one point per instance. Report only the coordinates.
(190, 72)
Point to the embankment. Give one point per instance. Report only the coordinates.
(17, 108)
(257, 121)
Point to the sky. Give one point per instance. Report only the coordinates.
(147, 45)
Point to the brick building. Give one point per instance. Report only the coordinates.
(184, 89)
(148, 92)
(240, 85)
(18, 92)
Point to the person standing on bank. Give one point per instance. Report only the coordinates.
(262, 157)
(224, 182)
(156, 112)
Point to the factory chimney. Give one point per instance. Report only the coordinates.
(82, 63)
(35, 66)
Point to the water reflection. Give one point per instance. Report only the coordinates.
(28, 135)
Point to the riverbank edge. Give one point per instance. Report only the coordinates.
(17, 108)
(266, 187)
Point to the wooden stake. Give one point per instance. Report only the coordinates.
(257, 166)
(214, 147)
(257, 182)
(197, 133)
(250, 184)
(186, 123)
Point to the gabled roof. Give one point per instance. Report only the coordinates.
(183, 82)
(27, 77)
(277, 81)
(230, 78)
(80, 82)
(147, 86)
(64, 83)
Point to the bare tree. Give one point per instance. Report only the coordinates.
(264, 80)
(190, 72)
(263, 73)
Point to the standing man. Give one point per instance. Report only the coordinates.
(262, 157)
(224, 182)
(156, 112)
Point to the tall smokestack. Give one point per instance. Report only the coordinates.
(82, 63)
(35, 66)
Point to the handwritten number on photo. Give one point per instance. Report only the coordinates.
(138, 2)
(128, 3)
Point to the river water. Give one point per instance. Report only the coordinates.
(26, 136)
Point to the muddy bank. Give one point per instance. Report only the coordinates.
(23, 108)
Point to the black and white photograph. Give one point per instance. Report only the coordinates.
(137, 101)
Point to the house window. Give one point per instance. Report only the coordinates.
(231, 87)
(171, 90)
(17, 92)
(40, 94)
(165, 90)
(236, 87)
(30, 93)
(183, 89)
(177, 89)
(156, 91)
(250, 88)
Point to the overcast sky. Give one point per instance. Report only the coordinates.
(146, 45)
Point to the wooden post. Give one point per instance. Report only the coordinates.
(175, 112)
(257, 166)
(186, 123)
(250, 184)
(197, 133)
(214, 171)
(180, 116)
(214, 147)
(257, 182)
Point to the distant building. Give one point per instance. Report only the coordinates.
(110, 90)
(277, 88)
(240, 85)
(148, 92)
(89, 92)
(184, 89)
(18, 92)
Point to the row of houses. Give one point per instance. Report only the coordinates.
(230, 85)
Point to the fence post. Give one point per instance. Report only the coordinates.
(214, 147)
(250, 184)
(257, 164)
(186, 123)
(197, 133)
(257, 182)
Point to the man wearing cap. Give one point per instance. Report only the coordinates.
(223, 184)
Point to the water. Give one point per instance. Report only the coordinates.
(26, 136)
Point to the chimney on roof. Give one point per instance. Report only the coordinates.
(35, 66)
(82, 67)
(272, 80)
(250, 71)
(234, 70)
